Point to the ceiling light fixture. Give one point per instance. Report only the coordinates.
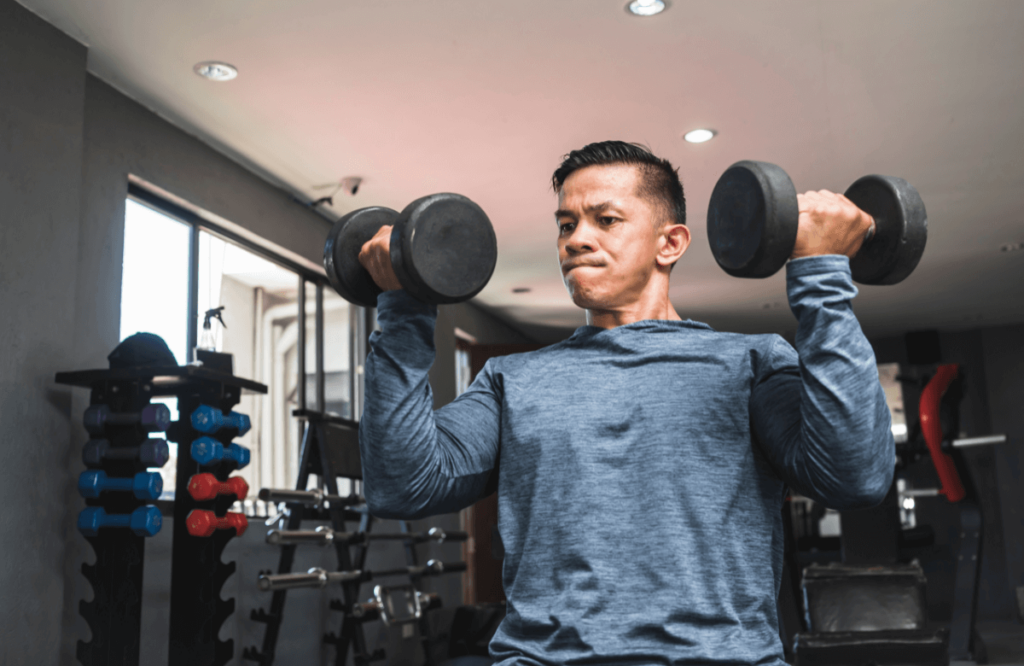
(1012, 247)
(216, 71)
(699, 135)
(646, 7)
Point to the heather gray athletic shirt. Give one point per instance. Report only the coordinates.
(642, 469)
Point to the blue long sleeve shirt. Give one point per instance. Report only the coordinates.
(642, 469)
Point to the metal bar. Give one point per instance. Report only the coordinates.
(321, 400)
(920, 492)
(193, 296)
(302, 346)
(978, 441)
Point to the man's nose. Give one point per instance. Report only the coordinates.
(581, 240)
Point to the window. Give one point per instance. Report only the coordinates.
(273, 314)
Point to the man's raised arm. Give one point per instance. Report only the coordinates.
(418, 462)
(822, 417)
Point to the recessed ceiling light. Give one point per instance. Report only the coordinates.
(646, 7)
(215, 71)
(699, 135)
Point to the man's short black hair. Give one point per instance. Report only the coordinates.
(659, 179)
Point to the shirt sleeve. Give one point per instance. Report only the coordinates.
(819, 411)
(419, 462)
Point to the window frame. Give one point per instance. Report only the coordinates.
(357, 345)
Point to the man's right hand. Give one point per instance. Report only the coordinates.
(375, 256)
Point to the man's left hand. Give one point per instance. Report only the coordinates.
(829, 223)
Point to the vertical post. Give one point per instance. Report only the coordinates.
(321, 399)
(301, 354)
(192, 336)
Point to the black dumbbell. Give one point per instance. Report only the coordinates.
(152, 452)
(443, 250)
(753, 214)
(151, 417)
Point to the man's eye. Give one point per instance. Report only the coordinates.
(567, 227)
(607, 220)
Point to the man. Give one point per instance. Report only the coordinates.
(644, 460)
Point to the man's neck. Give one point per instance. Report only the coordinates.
(660, 308)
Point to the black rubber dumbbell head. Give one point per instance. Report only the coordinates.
(901, 229)
(341, 254)
(443, 249)
(752, 219)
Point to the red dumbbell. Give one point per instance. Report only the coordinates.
(204, 523)
(205, 486)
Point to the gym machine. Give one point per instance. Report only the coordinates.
(871, 606)
(120, 493)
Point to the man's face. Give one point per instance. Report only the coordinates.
(608, 237)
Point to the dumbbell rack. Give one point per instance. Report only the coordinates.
(116, 578)
(327, 463)
(328, 460)
(197, 571)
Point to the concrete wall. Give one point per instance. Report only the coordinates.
(42, 82)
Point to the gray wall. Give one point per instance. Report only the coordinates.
(42, 81)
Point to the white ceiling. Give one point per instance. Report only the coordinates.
(483, 98)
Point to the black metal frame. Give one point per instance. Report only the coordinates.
(357, 323)
(197, 571)
(315, 459)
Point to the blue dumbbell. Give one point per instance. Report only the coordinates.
(144, 521)
(239, 454)
(210, 419)
(207, 450)
(145, 485)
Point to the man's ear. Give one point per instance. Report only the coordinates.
(674, 240)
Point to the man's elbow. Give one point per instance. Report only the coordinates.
(868, 491)
(389, 507)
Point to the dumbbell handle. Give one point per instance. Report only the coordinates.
(309, 497)
(323, 536)
(322, 578)
(313, 578)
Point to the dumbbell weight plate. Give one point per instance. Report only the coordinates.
(752, 219)
(443, 249)
(901, 229)
(341, 254)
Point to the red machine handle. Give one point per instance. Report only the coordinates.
(931, 398)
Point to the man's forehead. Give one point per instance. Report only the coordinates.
(594, 185)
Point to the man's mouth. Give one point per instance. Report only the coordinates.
(567, 268)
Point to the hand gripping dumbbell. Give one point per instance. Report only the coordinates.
(207, 450)
(753, 214)
(203, 487)
(443, 250)
(151, 417)
(210, 419)
(144, 521)
(202, 523)
(151, 453)
(144, 485)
